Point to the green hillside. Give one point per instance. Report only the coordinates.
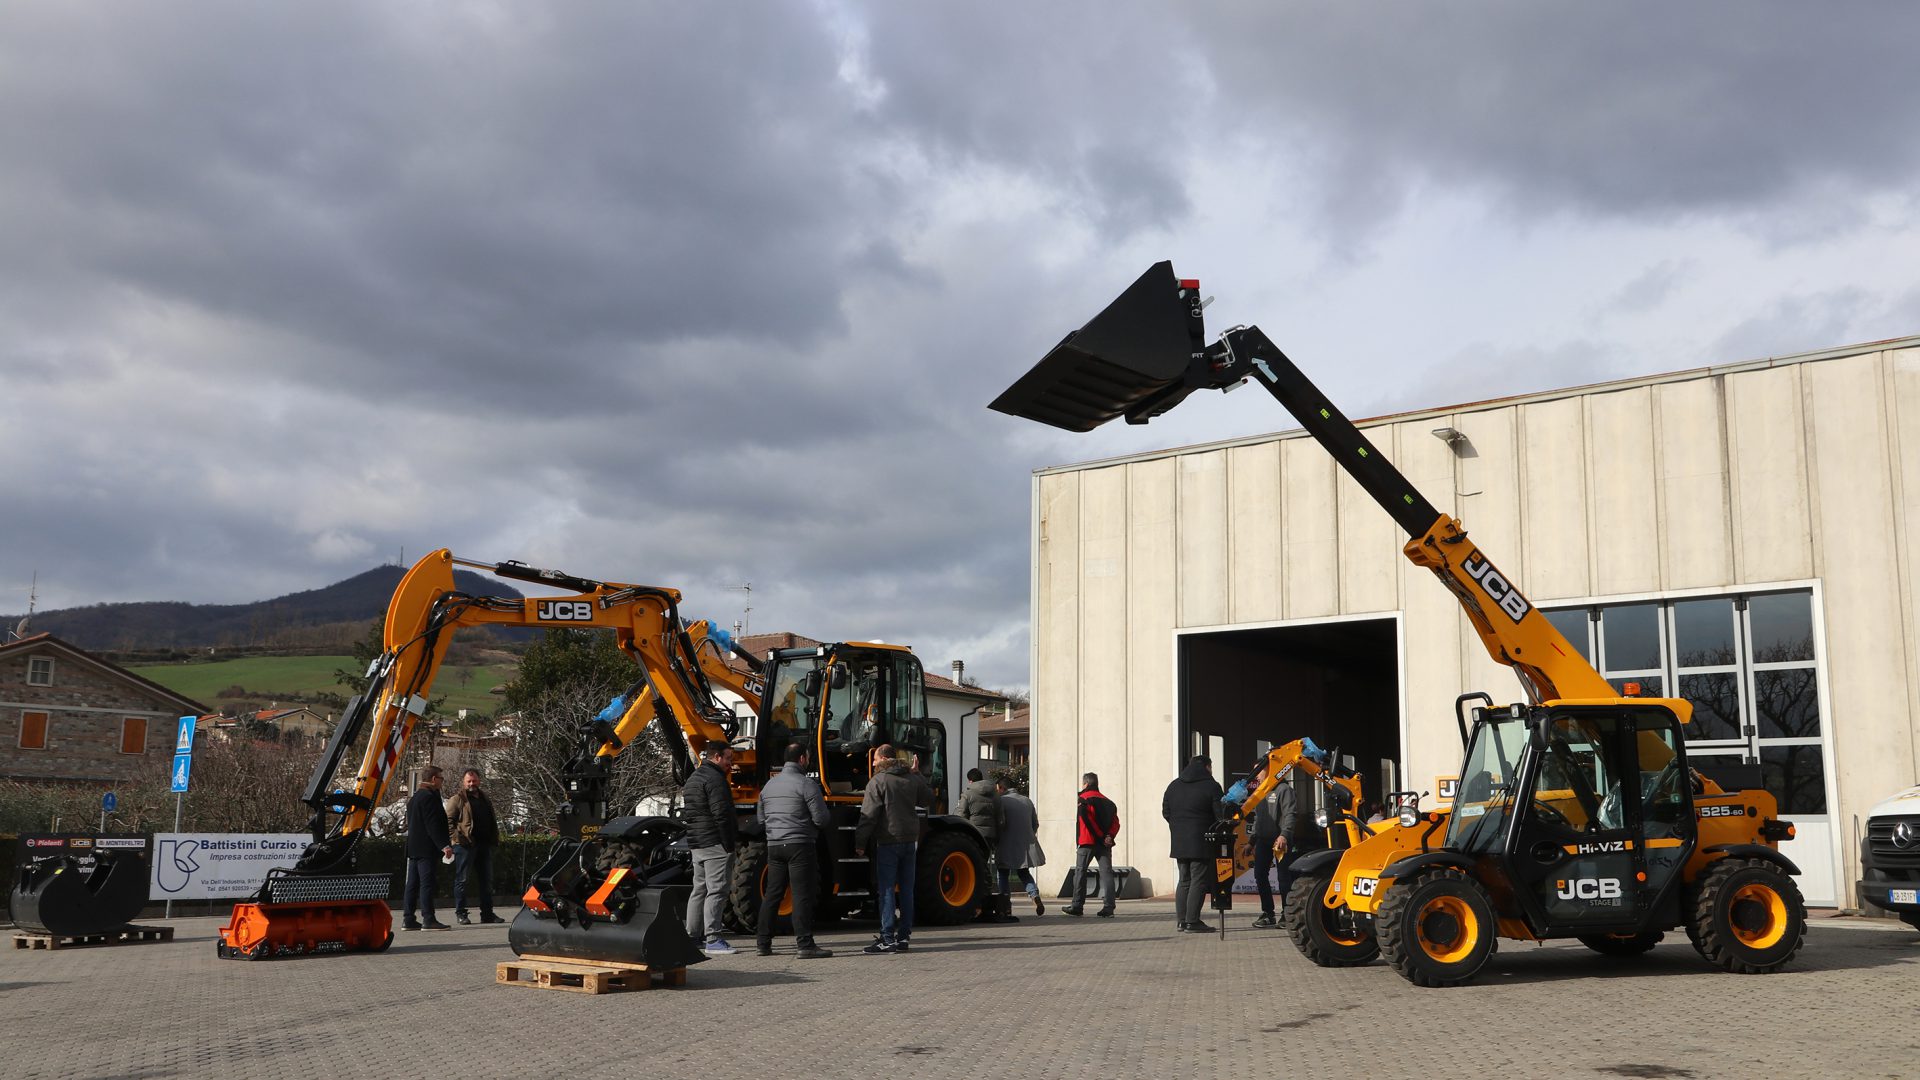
(291, 679)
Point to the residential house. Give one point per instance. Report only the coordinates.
(67, 716)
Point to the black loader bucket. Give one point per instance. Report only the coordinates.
(58, 897)
(1133, 360)
(651, 935)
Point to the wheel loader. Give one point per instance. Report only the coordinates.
(1577, 815)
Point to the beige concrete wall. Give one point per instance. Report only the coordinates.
(1799, 471)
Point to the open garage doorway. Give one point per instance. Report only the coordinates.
(1243, 692)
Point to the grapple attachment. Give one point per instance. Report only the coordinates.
(61, 898)
(1137, 358)
(301, 915)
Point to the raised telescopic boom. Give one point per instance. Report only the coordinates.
(1146, 352)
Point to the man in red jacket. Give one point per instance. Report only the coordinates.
(1098, 823)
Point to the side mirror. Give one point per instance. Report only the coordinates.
(810, 684)
(838, 677)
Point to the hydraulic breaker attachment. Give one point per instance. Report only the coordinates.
(300, 915)
(60, 897)
(1138, 358)
(620, 897)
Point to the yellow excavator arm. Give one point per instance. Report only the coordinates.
(679, 667)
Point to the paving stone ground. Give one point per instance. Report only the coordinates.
(1048, 997)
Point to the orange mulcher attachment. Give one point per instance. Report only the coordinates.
(300, 915)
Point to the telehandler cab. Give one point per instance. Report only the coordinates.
(1577, 815)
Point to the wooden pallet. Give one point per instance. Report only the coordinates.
(125, 935)
(582, 976)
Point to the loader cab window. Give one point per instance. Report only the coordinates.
(854, 722)
(1479, 819)
(794, 695)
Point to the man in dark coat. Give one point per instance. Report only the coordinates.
(1191, 807)
(1271, 831)
(427, 843)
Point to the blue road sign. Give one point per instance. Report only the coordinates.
(108, 802)
(183, 742)
(182, 768)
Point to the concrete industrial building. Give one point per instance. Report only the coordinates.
(1747, 536)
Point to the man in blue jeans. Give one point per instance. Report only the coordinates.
(890, 814)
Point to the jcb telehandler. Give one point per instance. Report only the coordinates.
(603, 892)
(1577, 814)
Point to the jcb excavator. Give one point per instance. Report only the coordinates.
(1577, 814)
(606, 883)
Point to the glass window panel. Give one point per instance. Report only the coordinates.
(1662, 802)
(1632, 636)
(1782, 626)
(1716, 705)
(1650, 685)
(1797, 777)
(1703, 632)
(1786, 704)
(1572, 624)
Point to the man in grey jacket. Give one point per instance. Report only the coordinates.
(707, 808)
(793, 811)
(1271, 831)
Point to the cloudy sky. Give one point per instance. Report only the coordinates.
(699, 295)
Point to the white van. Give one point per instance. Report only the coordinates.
(1890, 856)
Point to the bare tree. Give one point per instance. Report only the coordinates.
(546, 734)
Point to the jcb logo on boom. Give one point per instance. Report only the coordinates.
(1496, 586)
(564, 611)
(1587, 888)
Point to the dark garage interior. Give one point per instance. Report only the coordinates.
(1336, 683)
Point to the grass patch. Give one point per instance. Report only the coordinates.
(290, 678)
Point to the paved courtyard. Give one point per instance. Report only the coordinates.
(1049, 997)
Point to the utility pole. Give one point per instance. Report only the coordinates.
(746, 613)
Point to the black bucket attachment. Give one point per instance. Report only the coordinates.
(651, 934)
(1138, 358)
(618, 897)
(60, 898)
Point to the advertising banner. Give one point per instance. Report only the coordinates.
(36, 848)
(219, 866)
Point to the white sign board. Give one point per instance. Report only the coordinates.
(219, 866)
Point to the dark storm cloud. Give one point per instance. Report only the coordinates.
(694, 295)
(1637, 109)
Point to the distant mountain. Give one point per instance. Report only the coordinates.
(314, 617)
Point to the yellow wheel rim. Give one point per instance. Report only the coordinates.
(956, 878)
(1757, 915)
(1447, 929)
(786, 898)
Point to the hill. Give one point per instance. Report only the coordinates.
(314, 619)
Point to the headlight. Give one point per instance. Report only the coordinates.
(1409, 817)
(1320, 818)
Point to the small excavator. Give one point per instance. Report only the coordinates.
(1577, 814)
(613, 889)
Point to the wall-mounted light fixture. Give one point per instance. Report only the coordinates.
(1452, 436)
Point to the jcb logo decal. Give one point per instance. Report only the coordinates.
(1364, 886)
(1587, 888)
(1446, 788)
(1496, 586)
(564, 611)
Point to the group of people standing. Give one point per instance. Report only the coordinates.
(463, 829)
(793, 813)
(1194, 802)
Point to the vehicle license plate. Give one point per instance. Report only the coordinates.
(1903, 896)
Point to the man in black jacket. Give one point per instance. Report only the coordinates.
(427, 843)
(1274, 820)
(712, 831)
(1191, 807)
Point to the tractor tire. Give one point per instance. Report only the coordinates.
(950, 880)
(1748, 916)
(1437, 929)
(749, 885)
(1330, 937)
(1622, 944)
